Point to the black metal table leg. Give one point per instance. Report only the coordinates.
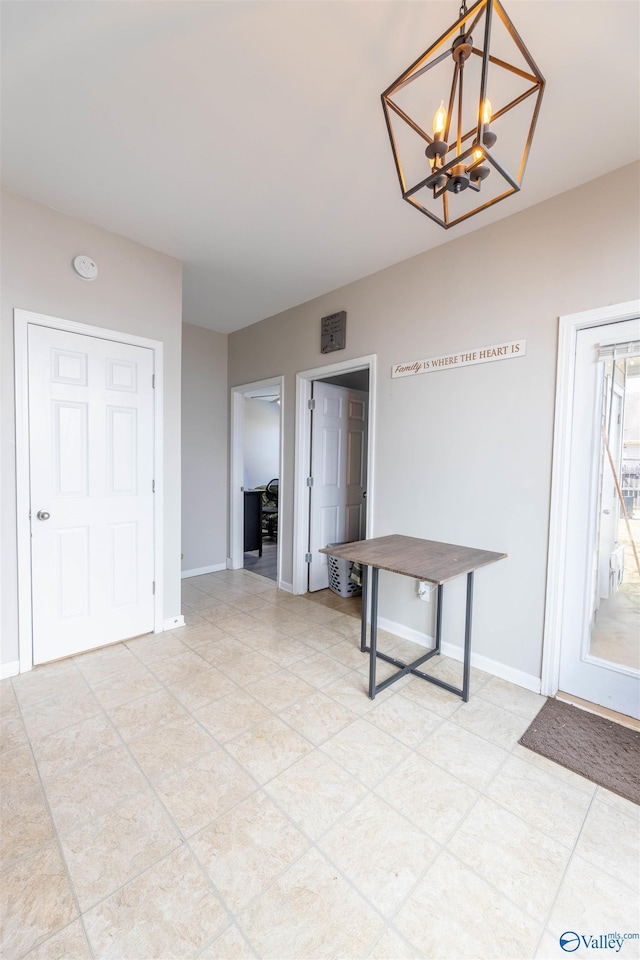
(373, 632)
(439, 618)
(467, 639)
(365, 594)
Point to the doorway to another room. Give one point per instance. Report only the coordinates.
(335, 416)
(256, 465)
(337, 470)
(261, 482)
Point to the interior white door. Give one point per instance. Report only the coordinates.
(91, 451)
(339, 472)
(593, 678)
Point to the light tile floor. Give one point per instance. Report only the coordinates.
(228, 790)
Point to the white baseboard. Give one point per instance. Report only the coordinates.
(173, 622)
(486, 664)
(407, 633)
(495, 668)
(9, 669)
(199, 571)
(287, 587)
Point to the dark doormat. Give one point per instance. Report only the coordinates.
(603, 751)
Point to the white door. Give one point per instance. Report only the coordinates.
(91, 455)
(602, 672)
(339, 472)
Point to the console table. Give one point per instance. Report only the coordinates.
(426, 560)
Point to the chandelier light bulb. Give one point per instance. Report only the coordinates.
(439, 121)
(486, 112)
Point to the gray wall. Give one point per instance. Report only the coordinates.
(138, 291)
(204, 447)
(464, 455)
(261, 442)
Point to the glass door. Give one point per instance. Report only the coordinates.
(600, 647)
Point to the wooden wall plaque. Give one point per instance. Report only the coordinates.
(333, 332)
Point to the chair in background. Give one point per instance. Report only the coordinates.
(270, 510)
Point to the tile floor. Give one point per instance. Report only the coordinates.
(228, 790)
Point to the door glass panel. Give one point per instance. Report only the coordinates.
(615, 622)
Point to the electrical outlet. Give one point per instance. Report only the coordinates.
(424, 590)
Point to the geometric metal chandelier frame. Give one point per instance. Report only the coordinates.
(462, 150)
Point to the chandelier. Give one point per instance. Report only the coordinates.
(483, 90)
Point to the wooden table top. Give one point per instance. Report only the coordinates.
(422, 559)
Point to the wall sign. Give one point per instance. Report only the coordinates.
(333, 332)
(464, 358)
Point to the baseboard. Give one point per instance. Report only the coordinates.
(486, 664)
(173, 622)
(9, 669)
(287, 587)
(407, 633)
(496, 669)
(199, 571)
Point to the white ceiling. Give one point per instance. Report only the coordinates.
(247, 138)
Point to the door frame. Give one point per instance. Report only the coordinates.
(22, 320)
(569, 326)
(236, 471)
(304, 381)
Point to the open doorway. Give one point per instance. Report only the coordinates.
(261, 481)
(337, 467)
(256, 468)
(335, 417)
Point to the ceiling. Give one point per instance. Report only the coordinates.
(247, 138)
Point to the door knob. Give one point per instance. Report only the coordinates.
(42, 515)
(364, 495)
